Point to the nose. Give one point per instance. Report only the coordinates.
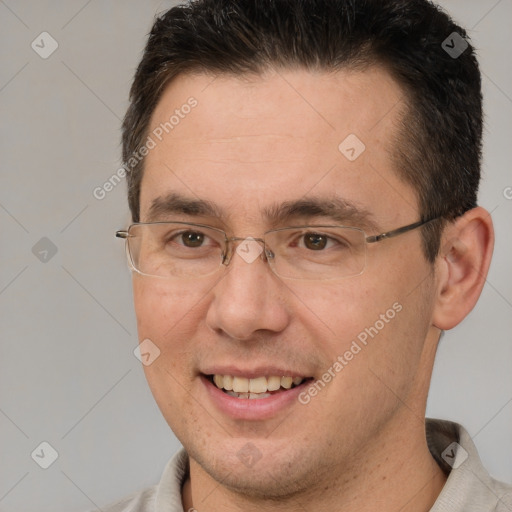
(249, 298)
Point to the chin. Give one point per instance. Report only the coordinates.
(278, 475)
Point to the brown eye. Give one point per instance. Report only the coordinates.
(192, 239)
(315, 241)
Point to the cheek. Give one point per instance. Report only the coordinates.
(339, 312)
(163, 306)
(169, 315)
(379, 319)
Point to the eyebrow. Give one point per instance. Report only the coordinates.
(333, 207)
(175, 203)
(278, 214)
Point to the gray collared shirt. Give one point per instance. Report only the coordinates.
(469, 488)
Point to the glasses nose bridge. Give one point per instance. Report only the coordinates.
(231, 243)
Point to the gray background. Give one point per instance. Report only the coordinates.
(67, 372)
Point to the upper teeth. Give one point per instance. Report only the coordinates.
(257, 385)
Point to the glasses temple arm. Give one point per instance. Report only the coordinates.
(398, 231)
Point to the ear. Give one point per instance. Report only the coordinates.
(462, 266)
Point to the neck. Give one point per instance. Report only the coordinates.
(393, 472)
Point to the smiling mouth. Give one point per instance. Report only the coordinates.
(259, 387)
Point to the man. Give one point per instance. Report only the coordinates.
(302, 181)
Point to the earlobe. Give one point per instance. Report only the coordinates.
(462, 266)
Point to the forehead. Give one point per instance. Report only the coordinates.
(249, 141)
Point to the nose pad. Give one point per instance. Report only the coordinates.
(249, 249)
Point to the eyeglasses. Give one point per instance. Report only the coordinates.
(185, 250)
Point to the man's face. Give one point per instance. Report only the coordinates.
(249, 145)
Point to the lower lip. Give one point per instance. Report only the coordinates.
(252, 408)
